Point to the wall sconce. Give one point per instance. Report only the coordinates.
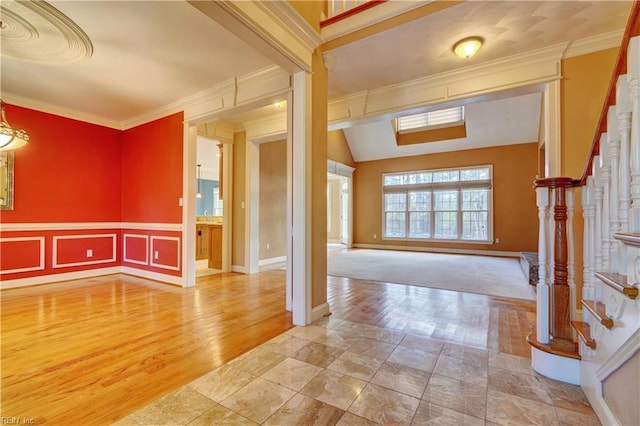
(198, 194)
(10, 138)
(467, 47)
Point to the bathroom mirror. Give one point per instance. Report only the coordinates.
(6, 180)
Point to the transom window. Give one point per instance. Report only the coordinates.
(431, 119)
(448, 204)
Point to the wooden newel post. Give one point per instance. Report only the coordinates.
(561, 336)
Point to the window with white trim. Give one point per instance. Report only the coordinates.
(432, 119)
(445, 204)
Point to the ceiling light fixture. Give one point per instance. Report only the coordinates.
(467, 47)
(198, 194)
(10, 138)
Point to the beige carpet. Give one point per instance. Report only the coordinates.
(495, 276)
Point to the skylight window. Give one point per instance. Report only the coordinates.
(424, 121)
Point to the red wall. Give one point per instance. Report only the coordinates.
(70, 171)
(152, 171)
(73, 178)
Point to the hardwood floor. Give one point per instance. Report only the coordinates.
(93, 351)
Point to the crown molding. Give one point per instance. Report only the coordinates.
(594, 44)
(60, 111)
(268, 128)
(293, 22)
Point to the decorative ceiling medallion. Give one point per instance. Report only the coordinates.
(35, 31)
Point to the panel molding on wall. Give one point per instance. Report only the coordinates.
(40, 254)
(56, 239)
(125, 253)
(153, 262)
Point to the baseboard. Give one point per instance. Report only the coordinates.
(240, 269)
(440, 250)
(319, 311)
(53, 278)
(334, 241)
(272, 260)
(169, 279)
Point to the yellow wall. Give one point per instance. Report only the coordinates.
(515, 212)
(273, 199)
(333, 233)
(583, 89)
(319, 102)
(338, 149)
(238, 233)
(311, 11)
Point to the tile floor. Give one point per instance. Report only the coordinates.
(346, 373)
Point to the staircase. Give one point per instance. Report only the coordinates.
(599, 349)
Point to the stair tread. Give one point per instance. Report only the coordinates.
(599, 311)
(618, 282)
(628, 238)
(584, 331)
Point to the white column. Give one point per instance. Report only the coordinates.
(623, 109)
(301, 198)
(571, 273)
(605, 173)
(552, 128)
(633, 76)
(542, 290)
(614, 206)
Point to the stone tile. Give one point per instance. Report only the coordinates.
(517, 364)
(302, 410)
(384, 335)
(338, 339)
(466, 353)
(401, 378)
(505, 409)
(572, 418)
(435, 415)
(349, 419)
(464, 397)
(334, 388)
(179, 407)
(258, 362)
(384, 406)
(354, 327)
(221, 382)
(461, 370)
(292, 373)
(566, 395)
(414, 358)
(373, 348)
(423, 343)
(286, 345)
(219, 415)
(518, 384)
(258, 400)
(328, 322)
(355, 365)
(309, 332)
(318, 354)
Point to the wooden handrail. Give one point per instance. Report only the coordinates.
(353, 11)
(632, 30)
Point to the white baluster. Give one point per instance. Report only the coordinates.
(588, 213)
(633, 76)
(623, 109)
(571, 273)
(605, 174)
(544, 243)
(592, 238)
(614, 205)
(598, 193)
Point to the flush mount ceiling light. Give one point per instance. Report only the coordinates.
(10, 138)
(467, 47)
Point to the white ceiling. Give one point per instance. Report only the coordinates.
(149, 54)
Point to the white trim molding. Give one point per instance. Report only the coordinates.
(339, 169)
(162, 265)
(169, 279)
(54, 256)
(320, 311)
(41, 252)
(239, 269)
(146, 249)
(52, 278)
(272, 260)
(440, 250)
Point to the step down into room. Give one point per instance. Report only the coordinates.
(584, 331)
(599, 311)
(618, 282)
(529, 266)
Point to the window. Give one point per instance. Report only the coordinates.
(451, 204)
(440, 118)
